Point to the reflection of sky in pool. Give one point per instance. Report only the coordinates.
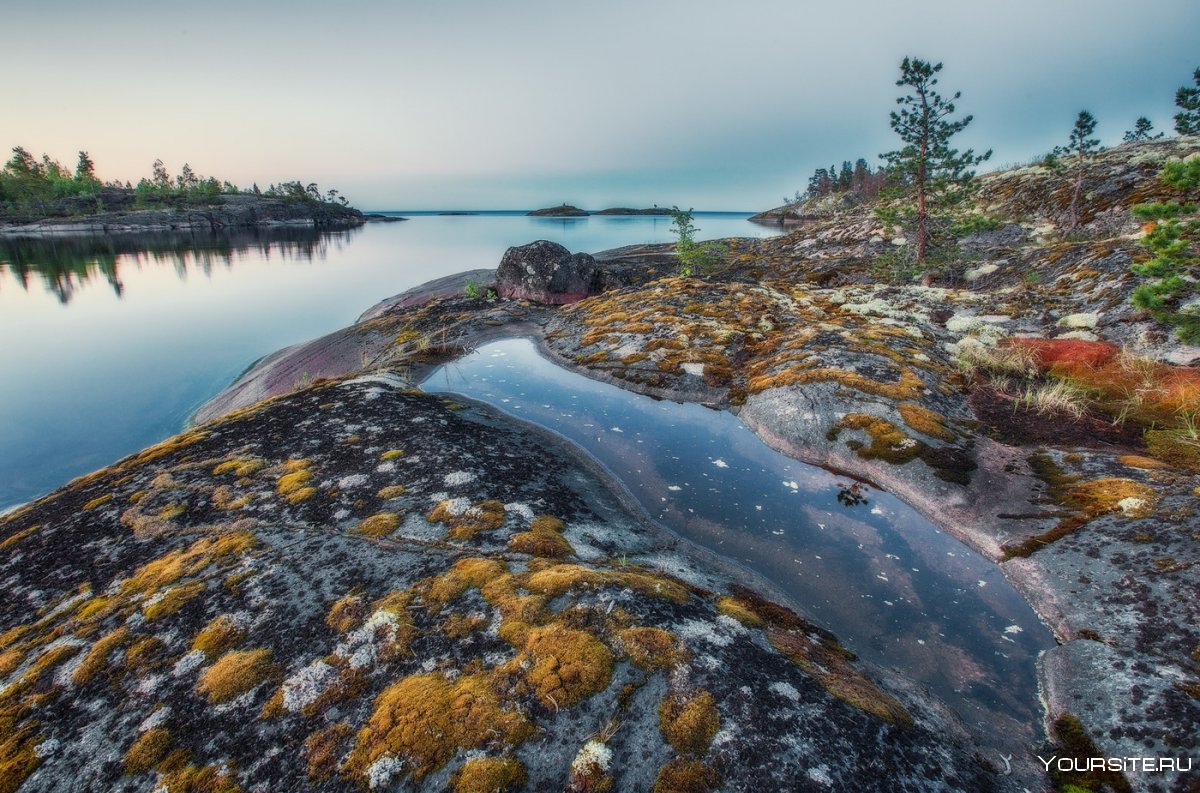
(895, 589)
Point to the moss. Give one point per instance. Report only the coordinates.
(1140, 462)
(174, 599)
(925, 421)
(293, 485)
(687, 776)
(172, 566)
(346, 613)
(324, 748)
(147, 751)
(1175, 448)
(241, 467)
(17, 537)
(98, 502)
(234, 673)
(403, 630)
(562, 665)
(381, 524)
(908, 386)
(464, 574)
(484, 516)
(428, 719)
(652, 648)
(733, 607)
(544, 538)
(18, 755)
(1088, 501)
(11, 659)
(392, 454)
(1074, 742)
(391, 491)
(196, 779)
(221, 634)
(558, 579)
(689, 723)
(888, 442)
(97, 657)
(489, 775)
(148, 652)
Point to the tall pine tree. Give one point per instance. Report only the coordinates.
(1187, 120)
(927, 161)
(1081, 147)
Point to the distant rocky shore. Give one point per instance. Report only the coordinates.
(120, 214)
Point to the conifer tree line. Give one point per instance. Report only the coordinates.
(860, 180)
(32, 185)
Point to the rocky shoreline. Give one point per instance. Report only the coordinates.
(233, 212)
(494, 569)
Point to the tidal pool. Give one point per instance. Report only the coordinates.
(895, 589)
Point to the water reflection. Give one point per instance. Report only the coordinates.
(896, 590)
(64, 264)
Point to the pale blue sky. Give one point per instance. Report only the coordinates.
(484, 104)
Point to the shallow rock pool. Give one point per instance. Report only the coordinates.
(895, 589)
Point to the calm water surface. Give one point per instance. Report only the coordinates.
(111, 343)
(894, 588)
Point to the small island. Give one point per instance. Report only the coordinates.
(569, 211)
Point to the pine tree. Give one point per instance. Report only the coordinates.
(1187, 120)
(927, 161)
(85, 169)
(845, 176)
(1141, 130)
(1081, 146)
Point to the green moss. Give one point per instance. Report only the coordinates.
(489, 775)
(391, 491)
(888, 442)
(428, 719)
(392, 454)
(1074, 742)
(234, 673)
(689, 722)
(483, 516)
(733, 607)
(1174, 447)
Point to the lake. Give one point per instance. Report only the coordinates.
(112, 342)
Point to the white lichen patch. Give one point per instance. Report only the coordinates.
(719, 633)
(524, 511)
(457, 478)
(302, 689)
(352, 481)
(1132, 506)
(785, 690)
(380, 772)
(694, 369)
(594, 756)
(188, 663)
(1083, 321)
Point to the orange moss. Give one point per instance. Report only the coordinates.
(427, 719)
(346, 613)
(908, 386)
(687, 776)
(733, 607)
(171, 601)
(1090, 500)
(689, 723)
(484, 516)
(391, 491)
(234, 673)
(15, 538)
(652, 648)
(888, 442)
(380, 524)
(219, 635)
(544, 538)
(558, 579)
(147, 751)
(563, 665)
(925, 421)
(97, 657)
(489, 775)
(324, 748)
(172, 566)
(98, 502)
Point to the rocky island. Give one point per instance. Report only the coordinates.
(338, 580)
(568, 211)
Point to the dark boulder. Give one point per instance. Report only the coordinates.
(546, 272)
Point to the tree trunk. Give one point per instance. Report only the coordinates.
(922, 210)
(1075, 193)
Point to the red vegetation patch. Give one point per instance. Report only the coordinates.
(1076, 352)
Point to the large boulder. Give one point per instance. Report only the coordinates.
(546, 272)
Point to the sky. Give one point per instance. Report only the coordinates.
(478, 104)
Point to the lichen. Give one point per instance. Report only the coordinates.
(465, 524)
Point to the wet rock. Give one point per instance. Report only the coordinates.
(546, 272)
